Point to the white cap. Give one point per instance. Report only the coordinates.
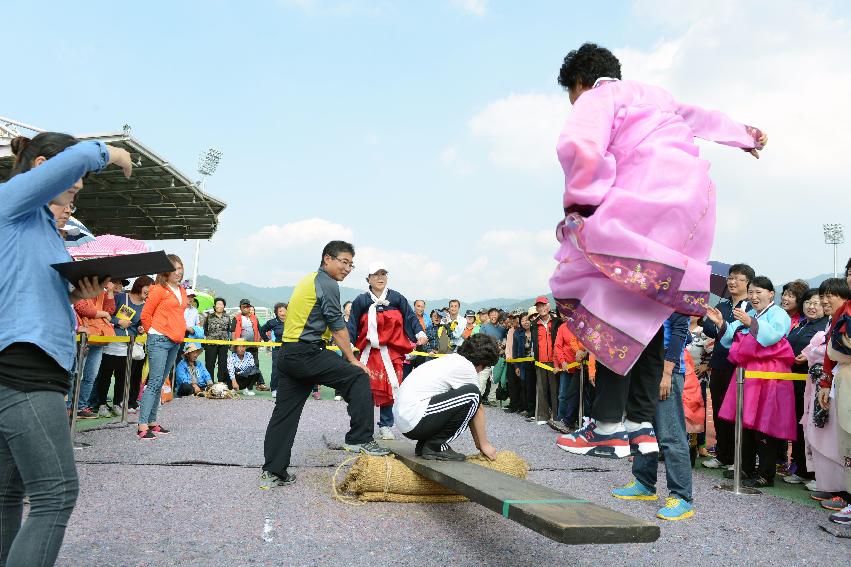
(376, 266)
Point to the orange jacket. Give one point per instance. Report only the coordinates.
(565, 351)
(164, 313)
(87, 321)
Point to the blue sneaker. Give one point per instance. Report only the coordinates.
(634, 490)
(675, 509)
(643, 441)
(586, 441)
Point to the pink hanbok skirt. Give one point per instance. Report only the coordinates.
(769, 405)
(822, 445)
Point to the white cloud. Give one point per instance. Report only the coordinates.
(749, 60)
(489, 264)
(299, 233)
(521, 130)
(475, 7)
(780, 66)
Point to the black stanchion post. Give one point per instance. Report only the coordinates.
(736, 487)
(128, 367)
(78, 378)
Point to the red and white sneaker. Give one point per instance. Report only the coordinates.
(643, 440)
(145, 434)
(159, 430)
(586, 441)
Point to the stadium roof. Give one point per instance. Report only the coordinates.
(158, 202)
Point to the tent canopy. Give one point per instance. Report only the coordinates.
(157, 203)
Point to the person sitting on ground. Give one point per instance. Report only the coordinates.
(242, 369)
(190, 376)
(441, 398)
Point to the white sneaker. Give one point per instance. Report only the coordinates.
(385, 434)
(544, 422)
(338, 398)
(274, 393)
(116, 410)
(132, 410)
(794, 479)
(811, 486)
(248, 392)
(712, 463)
(103, 411)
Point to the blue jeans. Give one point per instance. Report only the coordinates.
(90, 373)
(568, 397)
(670, 425)
(385, 416)
(162, 352)
(37, 459)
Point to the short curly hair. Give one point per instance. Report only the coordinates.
(583, 66)
(797, 289)
(481, 350)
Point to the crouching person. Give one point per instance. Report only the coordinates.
(191, 377)
(242, 369)
(441, 398)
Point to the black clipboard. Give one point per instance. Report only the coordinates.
(116, 267)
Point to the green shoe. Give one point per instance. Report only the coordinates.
(634, 490)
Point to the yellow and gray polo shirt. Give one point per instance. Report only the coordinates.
(314, 309)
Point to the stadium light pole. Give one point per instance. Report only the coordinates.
(207, 163)
(834, 234)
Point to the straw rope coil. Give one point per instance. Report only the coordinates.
(386, 479)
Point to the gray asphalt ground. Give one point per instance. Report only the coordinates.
(191, 498)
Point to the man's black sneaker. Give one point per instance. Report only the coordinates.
(448, 454)
(269, 480)
(758, 482)
(729, 474)
(371, 448)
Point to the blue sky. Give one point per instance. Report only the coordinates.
(425, 131)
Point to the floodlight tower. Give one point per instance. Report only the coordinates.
(207, 163)
(834, 234)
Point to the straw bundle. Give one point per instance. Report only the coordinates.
(385, 479)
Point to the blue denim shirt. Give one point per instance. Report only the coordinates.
(34, 305)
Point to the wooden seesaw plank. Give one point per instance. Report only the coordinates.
(556, 515)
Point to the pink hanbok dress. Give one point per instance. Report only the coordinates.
(769, 405)
(639, 215)
(821, 444)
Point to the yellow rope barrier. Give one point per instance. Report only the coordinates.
(775, 375)
(142, 339)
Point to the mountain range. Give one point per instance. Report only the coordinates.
(268, 296)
